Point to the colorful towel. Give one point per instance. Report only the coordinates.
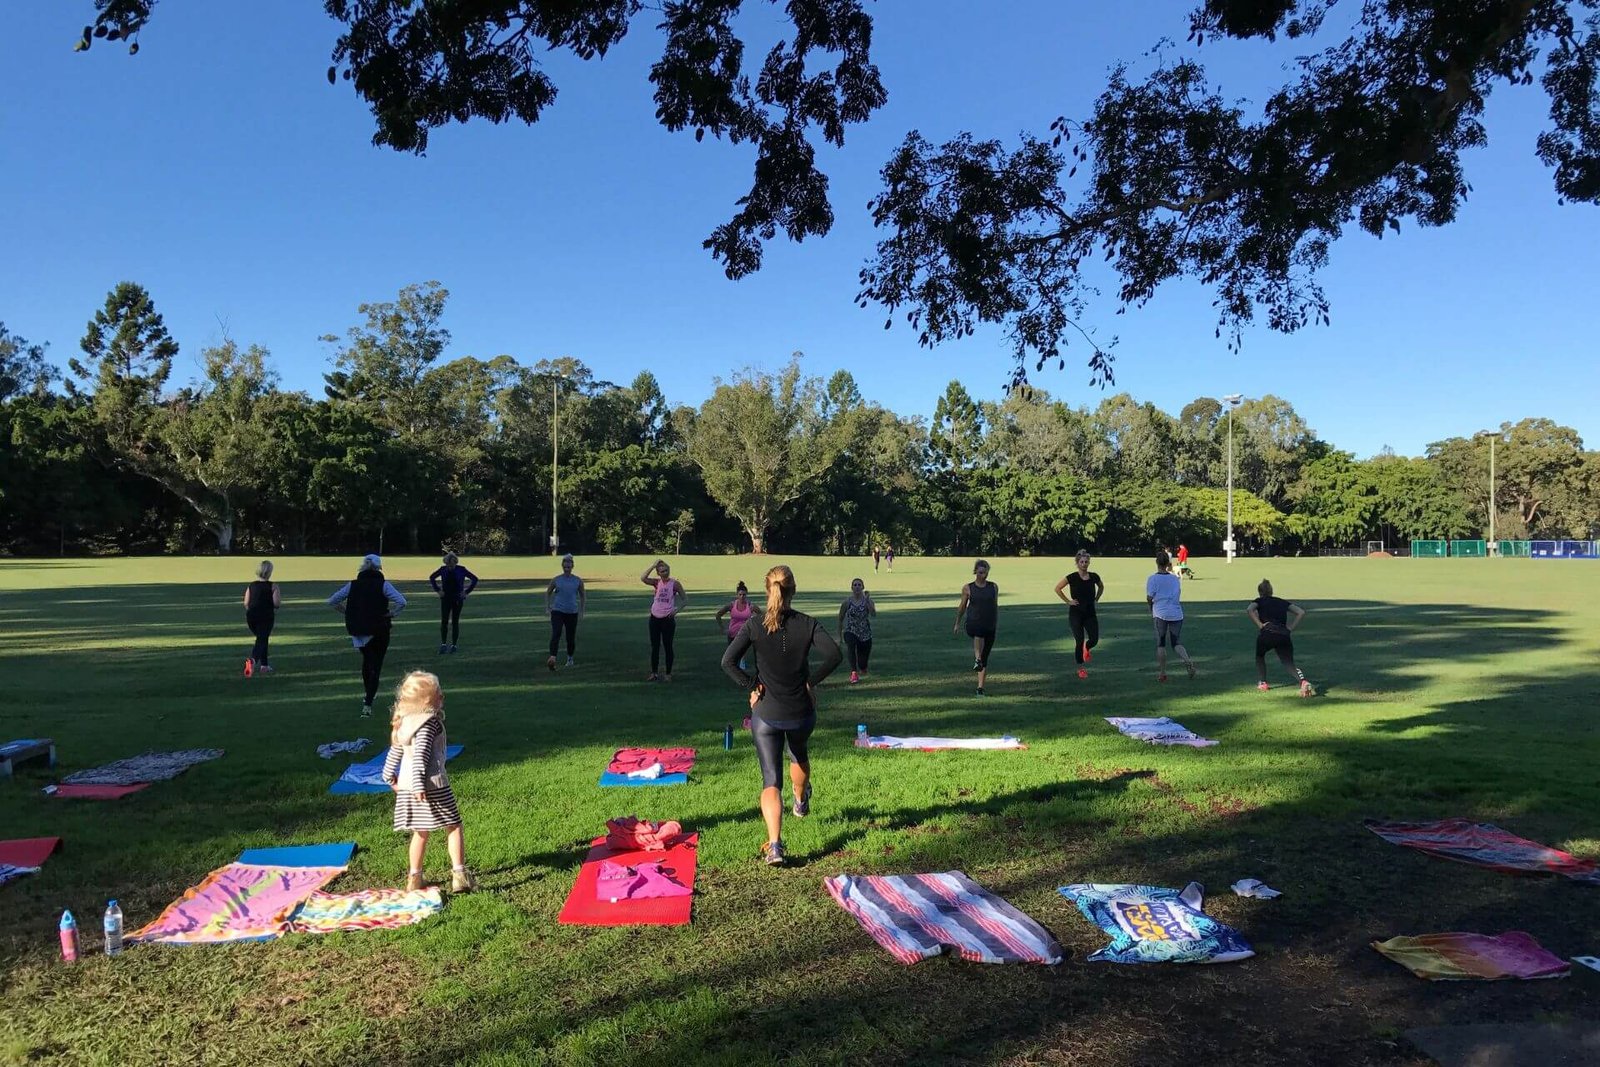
(916, 916)
(334, 748)
(367, 777)
(9, 873)
(149, 767)
(936, 744)
(94, 792)
(584, 907)
(239, 902)
(1151, 924)
(1160, 731)
(370, 909)
(28, 851)
(672, 760)
(1484, 844)
(1457, 957)
(610, 779)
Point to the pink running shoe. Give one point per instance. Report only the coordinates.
(855, 677)
(1082, 674)
(1263, 686)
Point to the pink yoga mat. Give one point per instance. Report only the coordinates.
(98, 792)
(583, 908)
(28, 851)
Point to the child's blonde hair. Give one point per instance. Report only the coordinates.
(419, 693)
(264, 570)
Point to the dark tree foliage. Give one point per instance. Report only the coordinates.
(1179, 182)
(424, 65)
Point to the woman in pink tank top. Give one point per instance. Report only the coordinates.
(664, 607)
(738, 611)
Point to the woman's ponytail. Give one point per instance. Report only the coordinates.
(780, 591)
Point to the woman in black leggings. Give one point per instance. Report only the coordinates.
(980, 603)
(1275, 619)
(783, 698)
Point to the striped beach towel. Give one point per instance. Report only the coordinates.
(369, 909)
(916, 916)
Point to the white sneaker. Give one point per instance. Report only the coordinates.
(569, 661)
(366, 711)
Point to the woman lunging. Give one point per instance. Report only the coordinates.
(1275, 620)
(855, 624)
(783, 698)
(1082, 590)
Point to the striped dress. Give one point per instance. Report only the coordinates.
(407, 766)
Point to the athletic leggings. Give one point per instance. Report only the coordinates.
(449, 620)
(987, 637)
(770, 741)
(372, 654)
(563, 621)
(1283, 645)
(661, 633)
(263, 630)
(858, 651)
(1085, 631)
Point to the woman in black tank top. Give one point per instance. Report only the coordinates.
(980, 603)
(261, 602)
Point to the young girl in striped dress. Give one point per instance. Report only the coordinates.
(423, 799)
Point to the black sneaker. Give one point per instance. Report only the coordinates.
(772, 854)
(802, 803)
(977, 666)
(980, 690)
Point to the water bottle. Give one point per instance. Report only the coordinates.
(861, 735)
(69, 938)
(727, 737)
(113, 926)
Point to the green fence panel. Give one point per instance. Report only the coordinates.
(1430, 549)
(1514, 548)
(1469, 549)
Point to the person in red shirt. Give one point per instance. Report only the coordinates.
(1183, 561)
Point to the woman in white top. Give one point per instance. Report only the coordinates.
(1163, 591)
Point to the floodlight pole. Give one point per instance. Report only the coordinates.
(555, 454)
(1493, 505)
(1232, 400)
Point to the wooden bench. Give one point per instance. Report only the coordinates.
(16, 751)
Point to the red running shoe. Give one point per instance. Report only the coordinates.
(1263, 686)
(1082, 674)
(249, 667)
(1087, 655)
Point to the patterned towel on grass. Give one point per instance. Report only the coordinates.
(921, 915)
(239, 902)
(10, 873)
(149, 767)
(1461, 957)
(1153, 924)
(370, 909)
(1484, 844)
(1159, 731)
(939, 744)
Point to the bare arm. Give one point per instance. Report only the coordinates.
(549, 591)
(1061, 587)
(647, 577)
(247, 596)
(961, 609)
(1255, 616)
(583, 597)
(1099, 589)
(872, 607)
(679, 595)
(277, 596)
(1296, 613)
(842, 606)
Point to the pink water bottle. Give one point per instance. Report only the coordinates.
(69, 937)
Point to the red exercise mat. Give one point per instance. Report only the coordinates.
(584, 909)
(672, 760)
(98, 792)
(28, 851)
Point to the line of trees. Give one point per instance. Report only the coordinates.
(412, 451)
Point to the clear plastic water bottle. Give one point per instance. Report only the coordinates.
(113, 928)
(861, 735)
(69, 937)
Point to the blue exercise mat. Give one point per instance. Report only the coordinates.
(612, 778)
(332, 855)
(367, 777)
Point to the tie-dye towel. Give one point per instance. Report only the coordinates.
(367, 777)
(1160, 731)
(239, 902)
(1151, 924)
(149, 767)
(1458, 957)
(921, 915)
(939, 744)
(370, 909)
(1484, 844)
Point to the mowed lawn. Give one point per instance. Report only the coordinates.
(1458, 687)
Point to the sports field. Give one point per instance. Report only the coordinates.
(1447, 688)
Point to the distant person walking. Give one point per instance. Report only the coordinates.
(783, 698)
(1184, 570)
(454, 583)
(1163, 591)
(876, 556)
(1081, 590)
(414, 769)
(566, 598)
(980, 603)
(1275, 620)
(664, 608)
(738, 610)
(855, 625)
(261, 602)
(888, 557)
(369, 604)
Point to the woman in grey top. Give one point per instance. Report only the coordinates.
(980, 603)
(564, 601)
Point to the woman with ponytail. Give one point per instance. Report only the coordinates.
(783, 699)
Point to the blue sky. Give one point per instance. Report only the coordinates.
(219, 169)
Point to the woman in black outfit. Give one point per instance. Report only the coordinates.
(980, 603)
(1275, 620)
(261, 603)
(454, 583)
(1081, 590)
(783, 699)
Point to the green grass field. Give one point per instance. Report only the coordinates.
(1448, 688)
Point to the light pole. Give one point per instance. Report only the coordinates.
(1493, 437)
(1233, 400)
(555, 454)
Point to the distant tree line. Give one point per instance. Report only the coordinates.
(410, 451)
